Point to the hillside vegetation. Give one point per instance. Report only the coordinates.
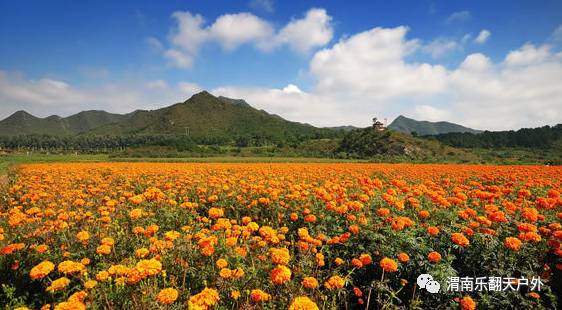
(423, 128)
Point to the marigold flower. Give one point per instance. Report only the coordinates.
(403, 257)
(512, 243)
(303, 303)
(83, 237)
(467, 303)
(310, 282)
(388, 265)
(280, 256)
(221, 263)
(434, 257)
(460, 239)
(258, 295)
(280, 275)
(167, 296)
(70, 305)
(103, 249)
(206, 299)
(58, 285)
(41, 270)
(90, 284)
(235, 294)
(70, 267)
(334, 282)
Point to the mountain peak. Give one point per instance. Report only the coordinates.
(424, 128)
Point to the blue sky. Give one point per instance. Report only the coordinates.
(60, 57)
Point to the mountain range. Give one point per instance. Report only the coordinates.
(425, 128)
(201, 115)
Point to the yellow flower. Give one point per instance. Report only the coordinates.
(310, 282)
(222, 263)
(41, 270)
(258, 295)
(303, 303)
(235, 294)
(334, 282)
(280, 256)
(280, 275)
(90, 284)
(204, 300)
(167, 296)
(58, 285)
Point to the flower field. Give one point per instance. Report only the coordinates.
(277, 236)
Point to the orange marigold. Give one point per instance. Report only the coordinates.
(41, 270)
(334, 282)
(310, 282)
(459, 239)
(467, 303)
(206, 299)
(280, 275)
(167, 296)
(434, 257)
(303, 303)
(388, 265)
(512, 243)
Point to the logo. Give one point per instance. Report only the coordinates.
(426, 281)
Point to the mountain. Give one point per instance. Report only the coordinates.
(201, 116)
(424, 128)
(22, 123)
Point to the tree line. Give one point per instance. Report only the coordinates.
(541, 137)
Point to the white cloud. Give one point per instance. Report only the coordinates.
(189, 33)
(440, 47)
(179, 59)
(460, 16)
(527, 55)
(430, 113)
(366, 75)
(263, 5)
(232, 30)
(292, 89)
(312, 31)
(482, 37)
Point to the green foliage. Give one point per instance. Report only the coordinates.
(422, 128)
(541, 137)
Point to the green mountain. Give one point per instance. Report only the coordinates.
(204, 115)
(201, 116)
(425, 128)
(23, 123)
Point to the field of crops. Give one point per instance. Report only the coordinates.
(277, 235)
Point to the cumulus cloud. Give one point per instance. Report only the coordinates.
(312, 31)
(483, 36)
(460, 16)
(189, 33)
(440, 47)
(367, 75)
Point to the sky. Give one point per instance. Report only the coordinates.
(493, 65)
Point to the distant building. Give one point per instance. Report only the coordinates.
(377, 125)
